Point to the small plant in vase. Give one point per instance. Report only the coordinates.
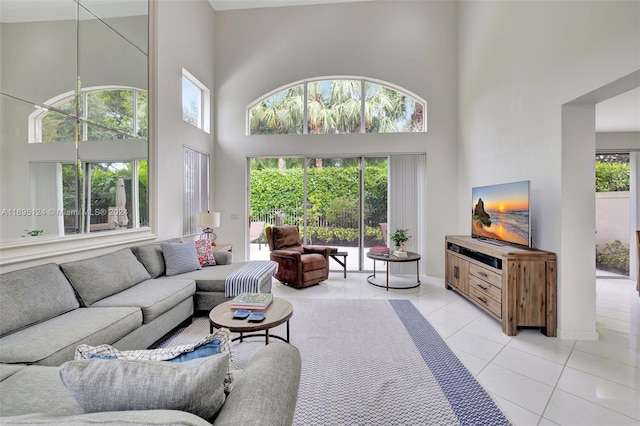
(399, 237)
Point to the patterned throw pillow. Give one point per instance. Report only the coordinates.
(205, 253)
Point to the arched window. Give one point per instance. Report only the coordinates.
(104, 113)
(337, 105)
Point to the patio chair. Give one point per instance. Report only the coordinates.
(255, 233)
(383, 228)
(298, 265)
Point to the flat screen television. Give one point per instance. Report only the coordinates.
(501, 213)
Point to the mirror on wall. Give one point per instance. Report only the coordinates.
(73, 117)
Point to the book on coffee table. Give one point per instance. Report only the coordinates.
(252, 301)
(379, 250)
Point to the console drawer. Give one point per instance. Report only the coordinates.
(482, 299)
(485, 288)
(485, 275)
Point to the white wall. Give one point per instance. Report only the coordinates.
(410, 44)
(612, 217)
(519, 63)
(617, 141)
(185, 39)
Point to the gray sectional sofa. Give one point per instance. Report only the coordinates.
(210, 281)
(123, 299)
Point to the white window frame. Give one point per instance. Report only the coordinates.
(196, 188)
(305, 83)
(34, 127)
(204, 102)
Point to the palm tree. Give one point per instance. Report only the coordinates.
(334, 106)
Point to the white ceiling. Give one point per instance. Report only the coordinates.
(619, 114)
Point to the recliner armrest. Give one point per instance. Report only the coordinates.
(317, 249)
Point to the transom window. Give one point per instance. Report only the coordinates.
(195, 102)
(333, 106)
(105, 113)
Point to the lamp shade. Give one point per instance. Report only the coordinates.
(209, 219)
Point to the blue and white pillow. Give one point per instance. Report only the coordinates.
(180, 257)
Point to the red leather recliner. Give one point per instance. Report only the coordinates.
(298, 265)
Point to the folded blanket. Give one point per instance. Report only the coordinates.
(221, 336)
(247, 278)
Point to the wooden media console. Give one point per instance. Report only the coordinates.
(516, 286)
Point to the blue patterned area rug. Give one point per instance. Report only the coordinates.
(372, 362)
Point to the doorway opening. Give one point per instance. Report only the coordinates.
(613, 198)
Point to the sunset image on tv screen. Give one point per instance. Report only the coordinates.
(501, 212)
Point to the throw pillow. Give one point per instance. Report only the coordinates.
(150, 255)
(180, 257)
(194, 386)
(205, 253)
(219, 341)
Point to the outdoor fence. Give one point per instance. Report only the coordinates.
(342, 229)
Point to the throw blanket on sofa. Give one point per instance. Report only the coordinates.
(247, 279)
(222, 335)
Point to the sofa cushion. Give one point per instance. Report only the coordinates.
(117, 385)
(8, 370)
(36, 389)
(205, 253)
(211, 279)
(32, 295)
(150, 255)
(180, 257)
(101, 276)
(154, 297)
(54, 341)
(313, 261)
(223, 257)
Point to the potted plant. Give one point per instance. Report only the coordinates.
(34, 233)
(399, 237)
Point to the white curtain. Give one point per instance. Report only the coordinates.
(196, 188)
(407, 205)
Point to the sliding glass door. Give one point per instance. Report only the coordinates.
(337, 202)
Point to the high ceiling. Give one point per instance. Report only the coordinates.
(618, 114)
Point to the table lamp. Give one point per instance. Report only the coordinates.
(208, 221)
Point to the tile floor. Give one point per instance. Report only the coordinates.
(536, 380)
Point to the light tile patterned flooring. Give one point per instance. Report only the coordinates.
(536, 380)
